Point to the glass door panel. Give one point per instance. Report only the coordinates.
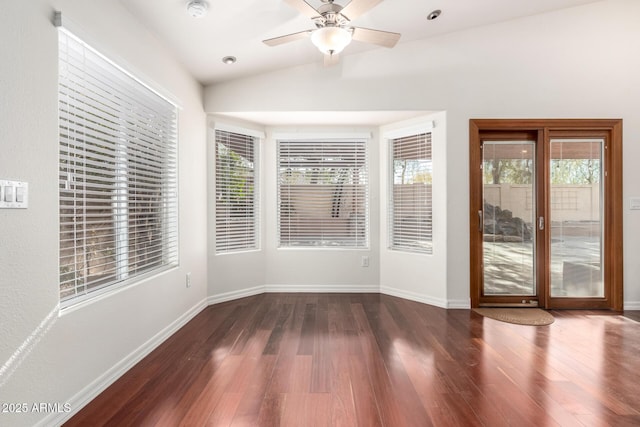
(508, 218)
(576, 218)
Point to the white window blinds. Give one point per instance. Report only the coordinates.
(323, 193)
(410, 218)
(118, 174)
(237, 197)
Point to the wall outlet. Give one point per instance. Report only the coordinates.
(364, 261)
(188, 280)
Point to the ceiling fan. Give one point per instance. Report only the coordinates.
(333, 31)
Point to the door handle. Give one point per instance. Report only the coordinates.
(541, 223)
(480, 221)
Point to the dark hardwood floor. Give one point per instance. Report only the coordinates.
(376, 360)
(634, 315)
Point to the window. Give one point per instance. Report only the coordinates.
(117, 176)
(322, 193)
(237, 201)
(410, 218)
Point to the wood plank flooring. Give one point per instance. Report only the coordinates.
(377, 360)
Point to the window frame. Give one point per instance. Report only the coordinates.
(393, 244)
(362, 224)
(256, 138)
(138, 150)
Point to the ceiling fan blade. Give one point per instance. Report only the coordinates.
(356, 8)
(303, 7)
(331, 59)
(381, 38)
(288, 38)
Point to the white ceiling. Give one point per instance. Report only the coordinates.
(237, 28)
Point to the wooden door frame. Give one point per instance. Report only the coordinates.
(611, 129)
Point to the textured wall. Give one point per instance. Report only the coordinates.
(46, 357)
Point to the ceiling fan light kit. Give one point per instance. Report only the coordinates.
(331, 40)
(333, 31)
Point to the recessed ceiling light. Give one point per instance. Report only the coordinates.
(197, 8)
(229, 59)
(433, 15)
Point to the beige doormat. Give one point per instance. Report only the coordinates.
(519, 316)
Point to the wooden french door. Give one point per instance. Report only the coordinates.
(546, 213)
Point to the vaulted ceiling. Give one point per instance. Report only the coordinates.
(237, 28)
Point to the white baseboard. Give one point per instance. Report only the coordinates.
(355, 289)
(413, 296)
(275, 288)
(90, 392)
(230, 296)
(459, 304)
(632, 305)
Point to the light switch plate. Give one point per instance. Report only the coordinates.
(14, 194)
(634, 203)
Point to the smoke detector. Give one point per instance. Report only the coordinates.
(197, 8)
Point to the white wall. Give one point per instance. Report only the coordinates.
(415, 276)
(45, 357)
(319, 270)
(579, 62)
(290, 270)
(238, 274)
(272, 269)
